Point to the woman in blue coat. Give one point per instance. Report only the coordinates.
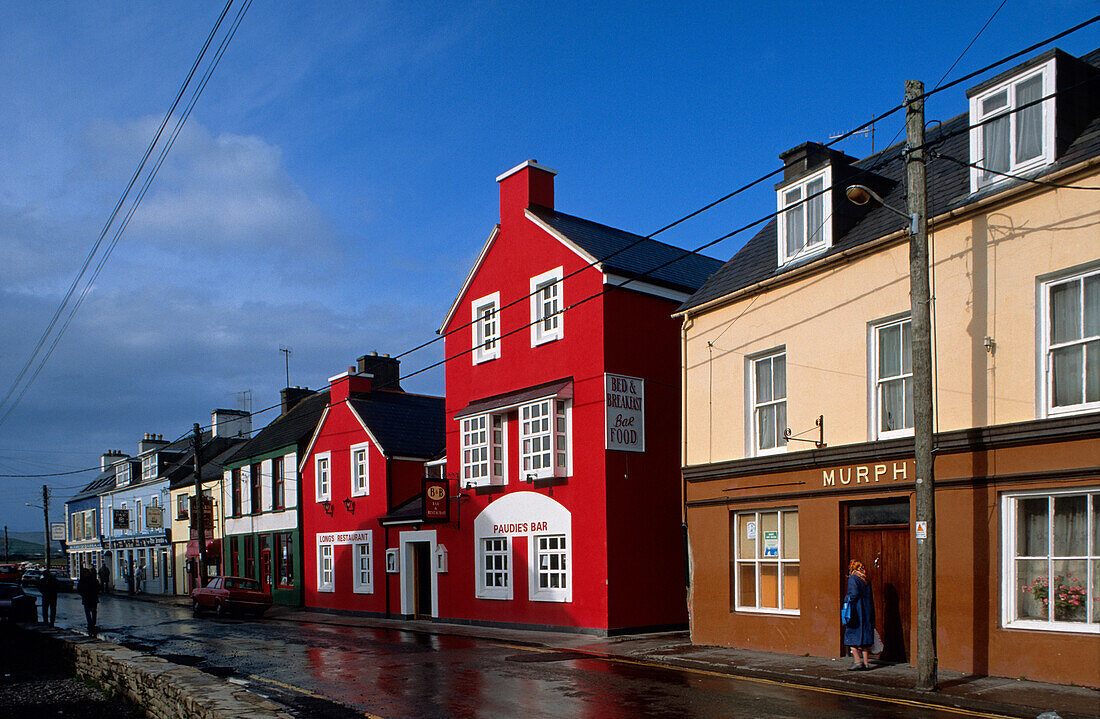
(860, 635)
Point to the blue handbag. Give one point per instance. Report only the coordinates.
(846, 618)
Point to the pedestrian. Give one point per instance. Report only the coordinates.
(860, 632)
(48, 587)
(104, 578)
(141, 578)
(88, 588)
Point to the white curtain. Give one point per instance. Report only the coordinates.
(1029, 121)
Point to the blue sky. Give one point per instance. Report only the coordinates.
(336, 179)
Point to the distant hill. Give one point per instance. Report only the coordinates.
(27, 545)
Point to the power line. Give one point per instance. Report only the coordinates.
(68, 296)
(975, 165)
(884, 156)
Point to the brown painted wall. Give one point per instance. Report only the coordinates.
(969, 485)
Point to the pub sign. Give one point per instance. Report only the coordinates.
(121, 518)
(437, 508)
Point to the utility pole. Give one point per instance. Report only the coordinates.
(6, 557)
(200, 518)
(46, 519)
(915, 159)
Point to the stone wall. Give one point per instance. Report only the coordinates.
(163, 689)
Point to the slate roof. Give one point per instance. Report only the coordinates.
(406, 425)
(93, 488)
(666, 265)
(948, 189)
(292, 427)
(215, 450)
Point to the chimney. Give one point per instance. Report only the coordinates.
(346, 384)
(230, 423)
(291, 396)
(385, 371)
(526, 184)
(810, 156)
(150, 442)
(108, 458)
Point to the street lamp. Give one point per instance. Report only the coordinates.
(861, 195)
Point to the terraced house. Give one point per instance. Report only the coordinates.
(798, 394)
(260, 497)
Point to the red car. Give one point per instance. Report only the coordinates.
(231, 594)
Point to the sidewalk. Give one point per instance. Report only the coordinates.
(891, 682)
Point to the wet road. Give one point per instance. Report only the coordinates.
(339, 669)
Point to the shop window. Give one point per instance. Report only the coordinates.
(284, 559)
(1052, 561)
(764, 570)
(1013, 127)
(769, 403)
(321, 475)
(362, 574)
(552, 569)
(234, 557)
(893, 379)
(181, 506)
(1071, 343)
(546, 303)
(278, 484)
(250, 557)
(544, 439)
(324, 568)
(360, 478)
(495, 576)
(486, 328)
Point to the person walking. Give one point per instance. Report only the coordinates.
(49, 587)
(88, 588)
(104, 578)
(860, 632)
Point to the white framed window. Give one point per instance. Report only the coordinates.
(137, 515)
(122, 474)
(805, 225)
(325, 580)
(1051, 563)
(486, 328)
(768, 402)
(475, 449)
(1071, 343)
(362, 570)
(360, 471)
(552, 569)
(544, 439)
(495, 575)
(764, 566)
(1012, 131)
(892, 378)
(546, 307)
(323, 476)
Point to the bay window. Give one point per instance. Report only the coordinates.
(483, 450)
(544, 439)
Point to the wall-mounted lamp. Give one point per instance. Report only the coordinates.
(327, 506)
(861, 195)
(529, 478)
(469, 485)
(990, 344)
(349, 504)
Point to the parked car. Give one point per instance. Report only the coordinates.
(10, 573)
(16, 605)
(231, 594)
(34, 577)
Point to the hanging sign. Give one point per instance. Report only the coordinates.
(436, 506)
(154, 518)
(121, 518)
(624, 413)
(57, 531)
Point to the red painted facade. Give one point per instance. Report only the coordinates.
(350, 517)
(618, 512)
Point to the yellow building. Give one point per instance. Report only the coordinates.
(806, 329)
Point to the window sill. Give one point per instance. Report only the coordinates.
(326, 590)
(559, 599)
(497, 597)
(536, 341)
(894, 434)
(363, 590)
(767, 611)
(1059, 627)
(360, 493)
(482, 360)
(1070, 410)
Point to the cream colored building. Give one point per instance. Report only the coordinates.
(807, 329)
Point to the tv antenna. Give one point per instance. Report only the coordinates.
(287, 351)
(865, 131)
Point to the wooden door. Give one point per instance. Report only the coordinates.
(422, 580)
(875, 538)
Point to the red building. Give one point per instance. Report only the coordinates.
(563, 428)
(366, 456)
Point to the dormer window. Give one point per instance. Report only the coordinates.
(149, 467)
(1013, 127)
(122, 474)
(805, 217)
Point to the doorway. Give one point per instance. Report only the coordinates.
(422, 580)
(877, 534)
(265, 562)
(419, 597)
